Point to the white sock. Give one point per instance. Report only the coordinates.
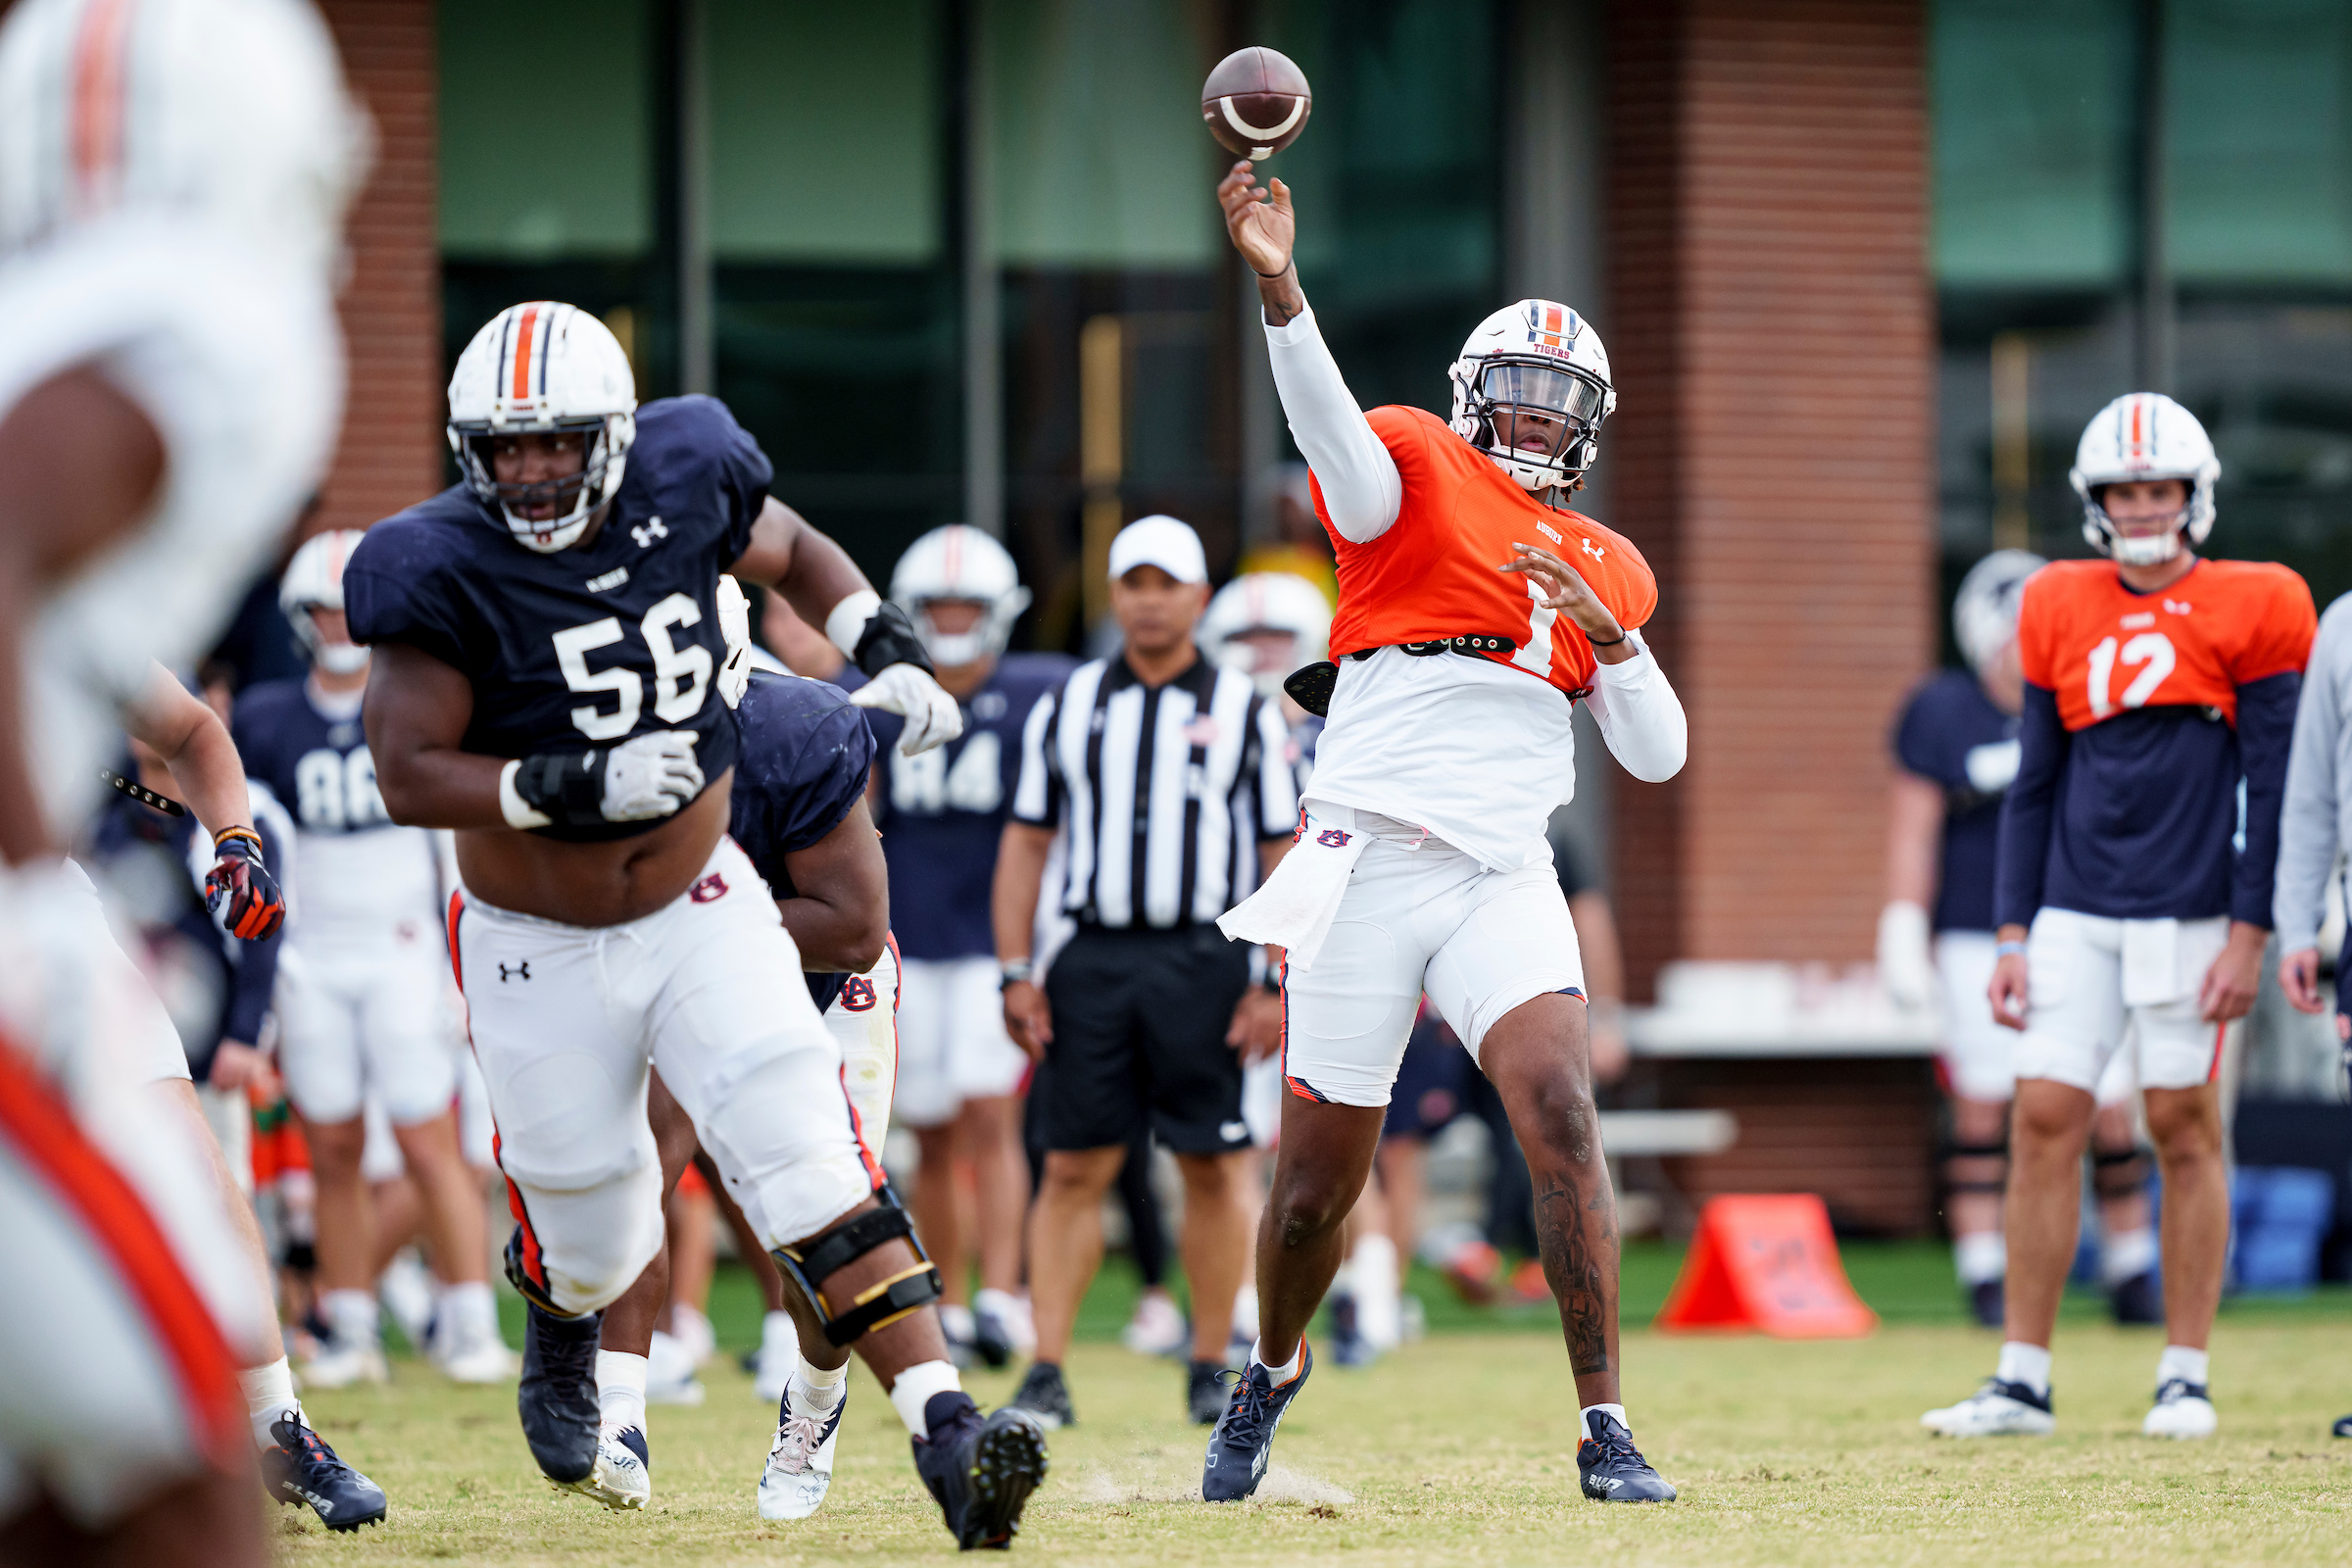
(1584, 1419)
(956, 1321)
(1981, 1259)
(470, 1311)
(1244, 1312)
(351, 1316)
(820, 1388)
(2179, 1361)
(914, 1388)
(1284, 1372)
(2025, 1363)
(2128, 1254)
(620, 1388)
(779, 1336)
(269, 1397)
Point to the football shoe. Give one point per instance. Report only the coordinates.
(771, 1365)
(1203, 1392)
(622, 1477)
(1158, 1328)
(800, 1462)
(1998, 1409)
(1244, 1441)
(1044, 1395)
(2182, 1409)
(1988, 1303)
(1611, 1469)
(669, 1373)
(2139, 1301)
(981, 1471)
(297, 1467)
(557, 1397)
(1350, 1346)
(340, 1364)
(2343, 1427)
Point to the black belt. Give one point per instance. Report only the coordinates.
(1311, 688)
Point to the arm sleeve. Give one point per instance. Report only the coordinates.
(2307, 820)
(253, 966)
(1915, 736)
(827, 779)
(2026, 810)
(1036, 797)
(1640, 717)
(1274, 782)
(1362, 491)
(2266, 727)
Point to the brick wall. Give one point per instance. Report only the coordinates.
(1772, 453)
(391, 450)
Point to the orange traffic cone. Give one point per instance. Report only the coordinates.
(1765, 1265)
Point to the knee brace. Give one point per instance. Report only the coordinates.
(813, 1261)
(2118, 1173)
(1954, 1153)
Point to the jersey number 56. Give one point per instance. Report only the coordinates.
(681, 676)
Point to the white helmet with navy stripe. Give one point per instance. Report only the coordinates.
(959, 562)
(230, 112)
(2145, 435)
(1257, 602)
(551, 370)
(313, 580)
(1530, 391)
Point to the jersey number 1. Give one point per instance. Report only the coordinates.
(681, 676)
(2152, 651)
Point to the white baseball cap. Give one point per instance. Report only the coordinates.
(1159, 541)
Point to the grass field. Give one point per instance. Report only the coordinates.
(1458, 1449)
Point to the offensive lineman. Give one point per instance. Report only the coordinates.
(359, 997)
(2156, 684)
(942, 815)
(547, 632)
(171, 196)
(1421, 858)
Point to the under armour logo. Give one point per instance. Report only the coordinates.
(521, 971)
(2176, 606)
(708, 888)
(652, 529)
(1333, 837)
(857, 995)
(1593, 550)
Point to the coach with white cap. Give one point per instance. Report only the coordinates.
(1172, 778)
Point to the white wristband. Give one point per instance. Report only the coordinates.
(846, 621)
(519, 811)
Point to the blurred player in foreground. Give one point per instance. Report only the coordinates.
(1422, 861)
(1956, 751)
(2156, 684)
(171, 386)
(547, 635)
(359, 993)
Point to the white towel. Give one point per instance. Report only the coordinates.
(1295, 906)
(2152, 971)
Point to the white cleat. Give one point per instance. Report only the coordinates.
(339, 1366)
(2183, 1410)
(1997, 1410)
(779, 1354)
(623, 1477)
(406, 1293)
(669, 1373)
(800, 1463)
(483, 1361)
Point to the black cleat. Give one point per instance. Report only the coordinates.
(299, 1467)
(1349, 1346)
(990, 1342)
(2139, 1301)
(557, 1393)
(1044, 1395)
(1238, 1451)
(1204, 1392)
(1987, 1304)
(2343, 1427)
(981, 1471)
(1612, 1469)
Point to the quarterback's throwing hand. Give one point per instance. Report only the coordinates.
(931, 714)
(1261, 223)
(1566, 591)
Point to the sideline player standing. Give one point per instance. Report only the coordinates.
(2156, 684)
(359, 990)
(942, 814)
(1422, 861)
(1956, 752)
(171, 386)
(547, 632)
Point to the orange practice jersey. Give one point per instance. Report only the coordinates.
(1433, 573)
(2104, 649)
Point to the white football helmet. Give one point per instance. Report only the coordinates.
(232, 111)
(313, 580)
(544, 368)
(958, 562)
(1259, 602)
(1985, 611)
(2145, 435)
(1540, 359)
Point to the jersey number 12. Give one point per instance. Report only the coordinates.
(681, 676)
(2152, 651)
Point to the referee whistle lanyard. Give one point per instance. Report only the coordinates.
(1295, 906)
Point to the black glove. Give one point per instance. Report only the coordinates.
(239, 889)
(889, 639)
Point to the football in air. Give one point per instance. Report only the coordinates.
(1255, 102)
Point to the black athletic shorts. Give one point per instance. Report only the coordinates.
(1138, 1039)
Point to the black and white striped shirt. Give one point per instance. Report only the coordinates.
(1168, 791)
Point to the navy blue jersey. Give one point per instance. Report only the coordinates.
(316, 765)
(807, 754)
(608, 640)
(942, 814)
(1953, 736)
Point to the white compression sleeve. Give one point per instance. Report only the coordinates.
(1361, 488)
(1640, 716)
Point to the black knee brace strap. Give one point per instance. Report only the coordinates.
(822, 1256)
(1959, 1151)
(2118, 1173)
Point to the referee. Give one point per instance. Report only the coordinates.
(1173, 778)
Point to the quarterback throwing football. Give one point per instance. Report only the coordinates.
(1464, 638)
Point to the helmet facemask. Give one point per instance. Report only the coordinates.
(985, 638)
(336, 659)
(2143, 549)
(577, 498)
(1539, 419)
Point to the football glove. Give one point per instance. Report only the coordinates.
(643, 778)
(931, 714)
(240, 891)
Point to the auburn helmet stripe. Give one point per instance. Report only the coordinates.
(525, 329)
(97, 122)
